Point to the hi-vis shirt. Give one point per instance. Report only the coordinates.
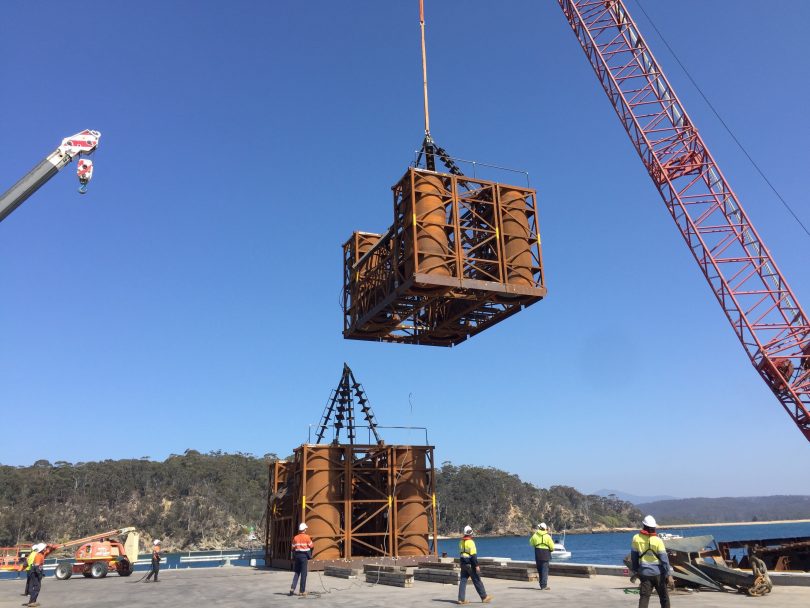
(467, 551)
(301, 542)
(649, 556)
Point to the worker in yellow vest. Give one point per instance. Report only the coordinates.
(468, 556)
(29, 559)
(650, 564)
(543, 546)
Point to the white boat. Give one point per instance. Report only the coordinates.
(560, 552)
(668, 535)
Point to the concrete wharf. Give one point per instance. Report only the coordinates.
(241, 586)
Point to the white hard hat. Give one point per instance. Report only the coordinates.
(156, 542)
(39, 547)
(542, 526)
(649, 521)
(302, 526)
(467, 529)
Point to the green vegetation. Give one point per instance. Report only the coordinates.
(719, 510)
(206, 501)
(193, 501)
(497, 502)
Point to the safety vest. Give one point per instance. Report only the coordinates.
(466, 547)
(30, 559)
(542, 540)
(302, 542)
(648, 547)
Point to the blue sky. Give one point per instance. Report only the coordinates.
(191, 298)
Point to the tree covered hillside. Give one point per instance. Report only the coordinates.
(497, 502)
(207, 501)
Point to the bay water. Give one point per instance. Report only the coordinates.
(611, 548)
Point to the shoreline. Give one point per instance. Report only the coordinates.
(578, 531)
(692, 525)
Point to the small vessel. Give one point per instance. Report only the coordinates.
(560, 552)
(668, 536)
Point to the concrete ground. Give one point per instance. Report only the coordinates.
(235, 586)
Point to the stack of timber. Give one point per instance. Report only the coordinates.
(512, 572)
(575, 570)
(395, 576)
(438, 572)
(342, 571)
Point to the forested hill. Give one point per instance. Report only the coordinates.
(497, 502)
(208, 501)
(719, 510)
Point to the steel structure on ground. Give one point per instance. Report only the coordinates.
(759, 304)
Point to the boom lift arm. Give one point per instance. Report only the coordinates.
(754, 294)
(80, 541)
(81, 144)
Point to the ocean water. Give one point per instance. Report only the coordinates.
(611, 548)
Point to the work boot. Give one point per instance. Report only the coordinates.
(302, 594)
(292, 591)
(487, 599)
(546, 588)
(32, 604)
(462, 602)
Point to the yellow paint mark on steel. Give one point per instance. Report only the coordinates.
(414, 218)
(434, 500)
(497, 233)
(390, 501)
(303, 505)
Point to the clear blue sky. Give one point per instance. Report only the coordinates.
(190, 299)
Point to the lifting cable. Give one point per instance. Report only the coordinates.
(720, 118)
(429, 147)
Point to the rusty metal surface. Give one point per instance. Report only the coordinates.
(462, 255)
(360, 501)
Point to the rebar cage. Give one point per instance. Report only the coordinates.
(462, 254)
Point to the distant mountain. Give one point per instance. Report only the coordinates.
(719, 510)
(632, 498)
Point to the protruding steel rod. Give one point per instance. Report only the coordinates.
(424, 64)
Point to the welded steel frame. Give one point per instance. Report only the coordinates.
(387, 282)
(370, 467)
(755, 297)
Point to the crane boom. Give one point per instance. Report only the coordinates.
(754, 295)
(80, 144)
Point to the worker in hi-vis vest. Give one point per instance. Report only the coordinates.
(36, 574)
(301, 553)
(156, 557)
(468, 555)
(650, 564)
(29, 561)
(543, 546)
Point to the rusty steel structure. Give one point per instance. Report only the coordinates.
(361, 501)
(462, 255)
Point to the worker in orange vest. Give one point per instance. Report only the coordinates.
(155, 561)
(301, 553)
(36, 574)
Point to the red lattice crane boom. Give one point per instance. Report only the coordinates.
(762, 309)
